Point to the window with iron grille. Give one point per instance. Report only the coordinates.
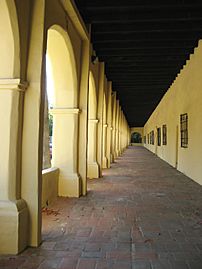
(164, 131)
(148, 141)
(184, 130)
(158, 136)
(145, 139)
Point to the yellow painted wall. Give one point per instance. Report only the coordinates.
(56, 15)
(50, 178)
(184, 96)
(44, 15)
(94, 68)
(22, 86)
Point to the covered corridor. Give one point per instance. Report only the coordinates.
(143, 214)
(80, 81)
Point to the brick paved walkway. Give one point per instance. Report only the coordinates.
(143, 214)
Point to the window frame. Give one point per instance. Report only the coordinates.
(164, 134)
(159, 136)
(152, 137)
(184, 130)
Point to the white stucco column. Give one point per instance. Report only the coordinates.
(109, 123)
(104, 147)
(119, 143)
(13, 210)
(83, 118)
(100, 112)
(116, 142)
(93, 168)
(117, 130)
(122, 132)
(112, 145)
(65, 150)
(113, 127)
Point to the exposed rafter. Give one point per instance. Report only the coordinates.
(144, 45)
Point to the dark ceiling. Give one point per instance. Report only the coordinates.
(144, 44)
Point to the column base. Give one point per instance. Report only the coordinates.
(108, 164)
(104, 162)
(93, 170)
(112, 158)
(69, 185)
(116, 154)
(13, 226)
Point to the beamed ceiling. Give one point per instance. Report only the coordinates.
(144, 44)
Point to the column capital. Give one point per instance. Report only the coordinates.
(13, 84)
(54, 111)
(94, 120)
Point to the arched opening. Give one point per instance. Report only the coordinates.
(136, 138)
(92, 99)
(13, 223)
(61, 114)
(9, 45)
(104, 134)
(92, 171)
(63, 68)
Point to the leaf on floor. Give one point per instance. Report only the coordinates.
(49, 211)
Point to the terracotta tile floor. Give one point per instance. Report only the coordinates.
(143, 214)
